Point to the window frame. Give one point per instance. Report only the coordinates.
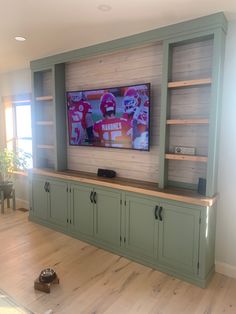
(13, 102)
(16, 138)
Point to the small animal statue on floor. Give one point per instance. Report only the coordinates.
(46, 278)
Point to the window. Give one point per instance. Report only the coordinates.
(23, 127)
(18, 124)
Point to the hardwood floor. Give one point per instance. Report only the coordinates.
(93, 280)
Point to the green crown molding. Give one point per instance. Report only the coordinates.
(202, 24)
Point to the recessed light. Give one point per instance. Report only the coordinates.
(104, 7)
(19, 38)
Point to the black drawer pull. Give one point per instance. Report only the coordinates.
(91, 197)
(95, 197)
(45, 186)
(156, 212)
(160, 211)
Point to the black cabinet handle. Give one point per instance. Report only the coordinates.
(45, 186)
(91, 197)
(48, 187)
(156, 212)
(160, 216)
(95, 197)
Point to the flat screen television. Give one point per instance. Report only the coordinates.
(117, 117)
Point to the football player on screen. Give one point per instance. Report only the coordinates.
(131, 103)
(136, 108)
(80, 119)
(112, 131)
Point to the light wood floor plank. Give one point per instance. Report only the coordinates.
(93, 280)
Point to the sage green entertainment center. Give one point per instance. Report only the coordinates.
(164, 224)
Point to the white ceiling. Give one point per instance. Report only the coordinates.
(54, 26)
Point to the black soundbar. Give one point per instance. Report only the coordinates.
(106, 173)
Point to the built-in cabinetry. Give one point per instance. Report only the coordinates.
(95, 212)
(50, 200)
(169, 231)
(190, 110)
(156, 229)
(162, 233)
(48, 118)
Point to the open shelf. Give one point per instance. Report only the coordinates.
(44, 123)
(44, 98)
(186, 121)
(186, 157)
(189, 83)
(45, 146)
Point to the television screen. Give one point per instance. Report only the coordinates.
(117, 117)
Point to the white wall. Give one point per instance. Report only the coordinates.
(13, 83)
(226, 212)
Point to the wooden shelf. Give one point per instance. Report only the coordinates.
(189, 83)
(44, 98)
(186, 157)
(44, 123)
(45, 146)
(186, 121)
(129, 185)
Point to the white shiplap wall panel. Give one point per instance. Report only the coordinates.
(187, 103)
(132, 66)
(187, 171)
(47, 84)
(139, 65)
(191, 61)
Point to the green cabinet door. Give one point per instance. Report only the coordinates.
(141, 227)
(58, 202)
(81, 210)
(179, 238)
(39, 199)
(107, 206)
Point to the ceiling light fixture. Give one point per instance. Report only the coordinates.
(20, 38)
(104, 7)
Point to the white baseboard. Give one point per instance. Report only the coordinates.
(225, 269)
(22, 203)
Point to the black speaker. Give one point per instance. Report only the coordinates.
(201, 186)
(106, 173)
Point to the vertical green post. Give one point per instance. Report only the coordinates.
(215, 110)
(163, 176)
(60, 117)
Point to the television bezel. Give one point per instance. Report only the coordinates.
(108, 88)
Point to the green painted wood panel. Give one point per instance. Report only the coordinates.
(39, 199)
(108, 217)
(207, 241)
(60, 117)
(164, 141)
(58, 202)
(81, 210)
(174, 245)
(141, 227)
(215, 111)
(179, 238)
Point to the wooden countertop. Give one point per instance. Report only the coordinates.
(143, 187)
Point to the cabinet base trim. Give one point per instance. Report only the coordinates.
(121, 252)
